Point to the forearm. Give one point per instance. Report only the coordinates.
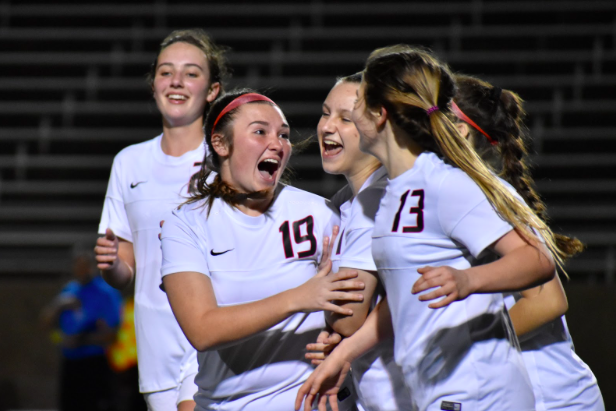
(538, 306)
(377, 327)
(346, 325)
(120, 275)
(209, 326)
(522, 268)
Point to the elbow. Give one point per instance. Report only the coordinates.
(201, 343)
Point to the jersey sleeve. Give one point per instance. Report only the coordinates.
(466, 215)
(357, 250)
(114, 214)
(182, 249)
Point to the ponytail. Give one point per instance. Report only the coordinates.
(501, 114)
(408, 82)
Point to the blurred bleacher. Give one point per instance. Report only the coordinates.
(73, 93)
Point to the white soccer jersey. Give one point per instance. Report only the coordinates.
(561, 380)
(378, 380)
(463, 356)
(146, 183)
(248, 259)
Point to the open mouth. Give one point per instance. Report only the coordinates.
(331, 148)
(177, 97)
(268, 168)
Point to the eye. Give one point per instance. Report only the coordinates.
(260, 131)
(347, 120)
(324, 114)
(164, 73)
(284, 135)
(193, 75)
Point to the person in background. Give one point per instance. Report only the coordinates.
(87, 313)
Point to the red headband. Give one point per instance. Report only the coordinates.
(235, 103)
(456, 110)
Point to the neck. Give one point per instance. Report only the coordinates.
(255, 207)
(397, 151)
(357, 178)
(179, 140)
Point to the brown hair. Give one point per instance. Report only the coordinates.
(500, 113)
(407, 82)
(215, 54)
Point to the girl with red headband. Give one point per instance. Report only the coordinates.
(147, 180)
(240, 263)
(492, 120)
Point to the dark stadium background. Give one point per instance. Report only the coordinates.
(73, 93)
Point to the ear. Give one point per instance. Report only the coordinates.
(463, 129)
(380, 116)
(219, 145)
(213, 92)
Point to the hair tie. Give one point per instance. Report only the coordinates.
(432, 110)
(460, 114)
(238, 101)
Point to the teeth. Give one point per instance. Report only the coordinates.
(330, 143)
(177, 96)
(270, 160)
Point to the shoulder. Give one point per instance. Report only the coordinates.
(342, 196)
(303, 199)
(136, 151)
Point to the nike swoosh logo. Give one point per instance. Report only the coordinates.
(133, 185)
(214, 253)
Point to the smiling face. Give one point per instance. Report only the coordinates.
(182, 84)
(261, 148)
(338, 136)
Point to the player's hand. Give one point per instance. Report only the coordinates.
(450, 283)
(106, 250)
(325, 381)
(328, 246)
(318, 293)
(326, 342)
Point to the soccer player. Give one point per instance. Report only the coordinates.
(492, 120)
(441, 209)
(147, 180)
(379, 382)
(240, 263)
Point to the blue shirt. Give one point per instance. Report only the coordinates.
(99, 301)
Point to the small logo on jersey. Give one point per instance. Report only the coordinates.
(214, 253)
(133, 185)
(343, 394)
(451, 406)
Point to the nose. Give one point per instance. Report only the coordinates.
(328, 125)
(275, 143)
(177, 80)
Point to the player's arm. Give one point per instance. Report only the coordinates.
(115, 258)
(538, 306)
(328, 377)
(346, 325)
(524, 263)
(208, 326)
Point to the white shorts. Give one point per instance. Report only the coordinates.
(169, 399)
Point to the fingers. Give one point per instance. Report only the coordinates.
(444, 302)
(334, 338)
(161, 223)
(301, 394)
(326, 268)
(333, 402)
(337, 309)
(323, 336)
(320, 347)
(323, 403)
(348, 285)
(344, 275)
(109, 235)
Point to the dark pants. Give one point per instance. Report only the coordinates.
(85, 384)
